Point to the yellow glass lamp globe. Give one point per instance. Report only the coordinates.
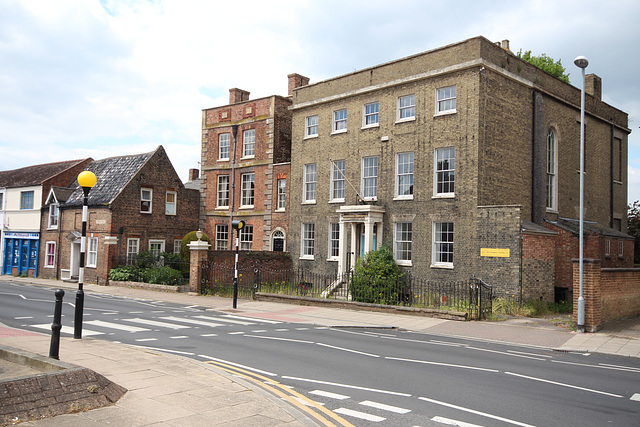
(87, 179)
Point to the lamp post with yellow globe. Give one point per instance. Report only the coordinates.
(87, 180)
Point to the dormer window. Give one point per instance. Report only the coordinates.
(54, 211)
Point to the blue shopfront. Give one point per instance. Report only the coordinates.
(21, 254)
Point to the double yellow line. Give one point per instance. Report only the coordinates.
(310, 407)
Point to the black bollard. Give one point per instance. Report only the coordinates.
(54, 348)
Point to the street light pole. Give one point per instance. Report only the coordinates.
(87, 180)
(582, 63)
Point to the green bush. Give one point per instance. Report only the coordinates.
(164, 275)
(377, 278)
(122, 273)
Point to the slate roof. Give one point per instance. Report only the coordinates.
(34, 175)
(193, 184)
(112, 174)
(573, 225)
(532, 228)
(61, 193)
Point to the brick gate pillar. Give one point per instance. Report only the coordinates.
(199, 251)
(591, 291)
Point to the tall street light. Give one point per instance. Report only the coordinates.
(582, 63)
(87, 180)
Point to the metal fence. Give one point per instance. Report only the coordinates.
(472, 296)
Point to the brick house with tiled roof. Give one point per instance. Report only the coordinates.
(22, 193)
(138, 203)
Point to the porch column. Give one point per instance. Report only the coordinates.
(354, 246)
(342, 248)
(368, 235)
(379, 236)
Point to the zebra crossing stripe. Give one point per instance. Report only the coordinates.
(358, 414)
(118, 326)
(192, 321)
(252, 319)
(223, 319)
(385, 407)
(68, 330)
(329, 394)
(156, 323)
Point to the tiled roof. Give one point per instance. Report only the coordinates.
(34, 175)
(112, 174)
(61, 193)
(573, 225)
(193, 184)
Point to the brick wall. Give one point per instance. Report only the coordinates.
(538, 267)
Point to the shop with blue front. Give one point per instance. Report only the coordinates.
(21, 254)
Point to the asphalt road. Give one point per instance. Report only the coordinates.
(364, 376)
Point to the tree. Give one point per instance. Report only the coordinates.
(545, 63)
(633, 228)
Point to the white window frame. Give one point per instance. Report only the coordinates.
(406, 108)
(131, 243)
(552, 171)
(310, 178)
(50, 255)
(446, 100)
(171, 208)
(439, 244)
(367, 179)
(156, 242)
(307, 240)
(620, 249)
(144, 200)
(92, 252)
(282, 194)
(404, 171)
(246, 238)
(439, 172)
(1, 201)
(54, 216)
(311, 126)
(337, 181)
(224, 146)
(403, 242)
(334, 241)
(222, 192)
(372, 118)
(222, 237)
(27, 200)
(339, 121)
(249, 143)
(248, 181)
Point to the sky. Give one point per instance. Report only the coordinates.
(103, 78)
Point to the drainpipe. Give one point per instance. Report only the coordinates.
(612, 175)
(234, 133)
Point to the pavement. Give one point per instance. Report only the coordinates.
(170, 390)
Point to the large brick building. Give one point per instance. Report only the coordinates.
(246, 153)
(458, 158)
(138, 203)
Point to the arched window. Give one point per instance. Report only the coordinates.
(552, 169)
(277, 241)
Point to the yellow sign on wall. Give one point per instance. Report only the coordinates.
(495, 252)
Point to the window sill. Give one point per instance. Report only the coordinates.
(337, 132)
(144, 212)
(308, 257)
(336, 201)
(615, 181)
(332, 259)
(404, 263)
(169, 214)
(403, 197)
(444, 196)
(443, 266)
(405, 120)
(248, 157)
(310, 136)
(370, 199)
(377, 125)
(280, 210)
(52, 228)
(445, 113)
(226, 159)
(222, 208)
(49, 266)
(309, 202)
(552, 210)
(246, 207)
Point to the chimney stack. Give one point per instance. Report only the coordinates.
(593, 86)
(194, 174)
(238, 95)
(296, 81)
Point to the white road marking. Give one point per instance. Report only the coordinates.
(253, 319)
(192, 321)
(222, 319)
(563, 384)
(451, 422)
(281, 330)
(621, 367)
(355, 387)
(329, 394)
(601, 366)
(385, 407)
(530, 354)
(23, 317)
(442, 364)
(348, 350)
(358, 414)
(257, 331)
(115, 326)
(636, 397)
(302, 329)
(168, 351)
(279, 339)
(505, 353)
(209, 335)
(156, 323)
(236, 333)
(248, 368)
(146, 339)
(179, 337)
(69, 330)
(472, 411)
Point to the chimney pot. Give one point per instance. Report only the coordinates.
(593, 86)
(238, 95)
(194, 174)
(296, 81)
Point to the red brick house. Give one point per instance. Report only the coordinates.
(246, 155)
(138, 203)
